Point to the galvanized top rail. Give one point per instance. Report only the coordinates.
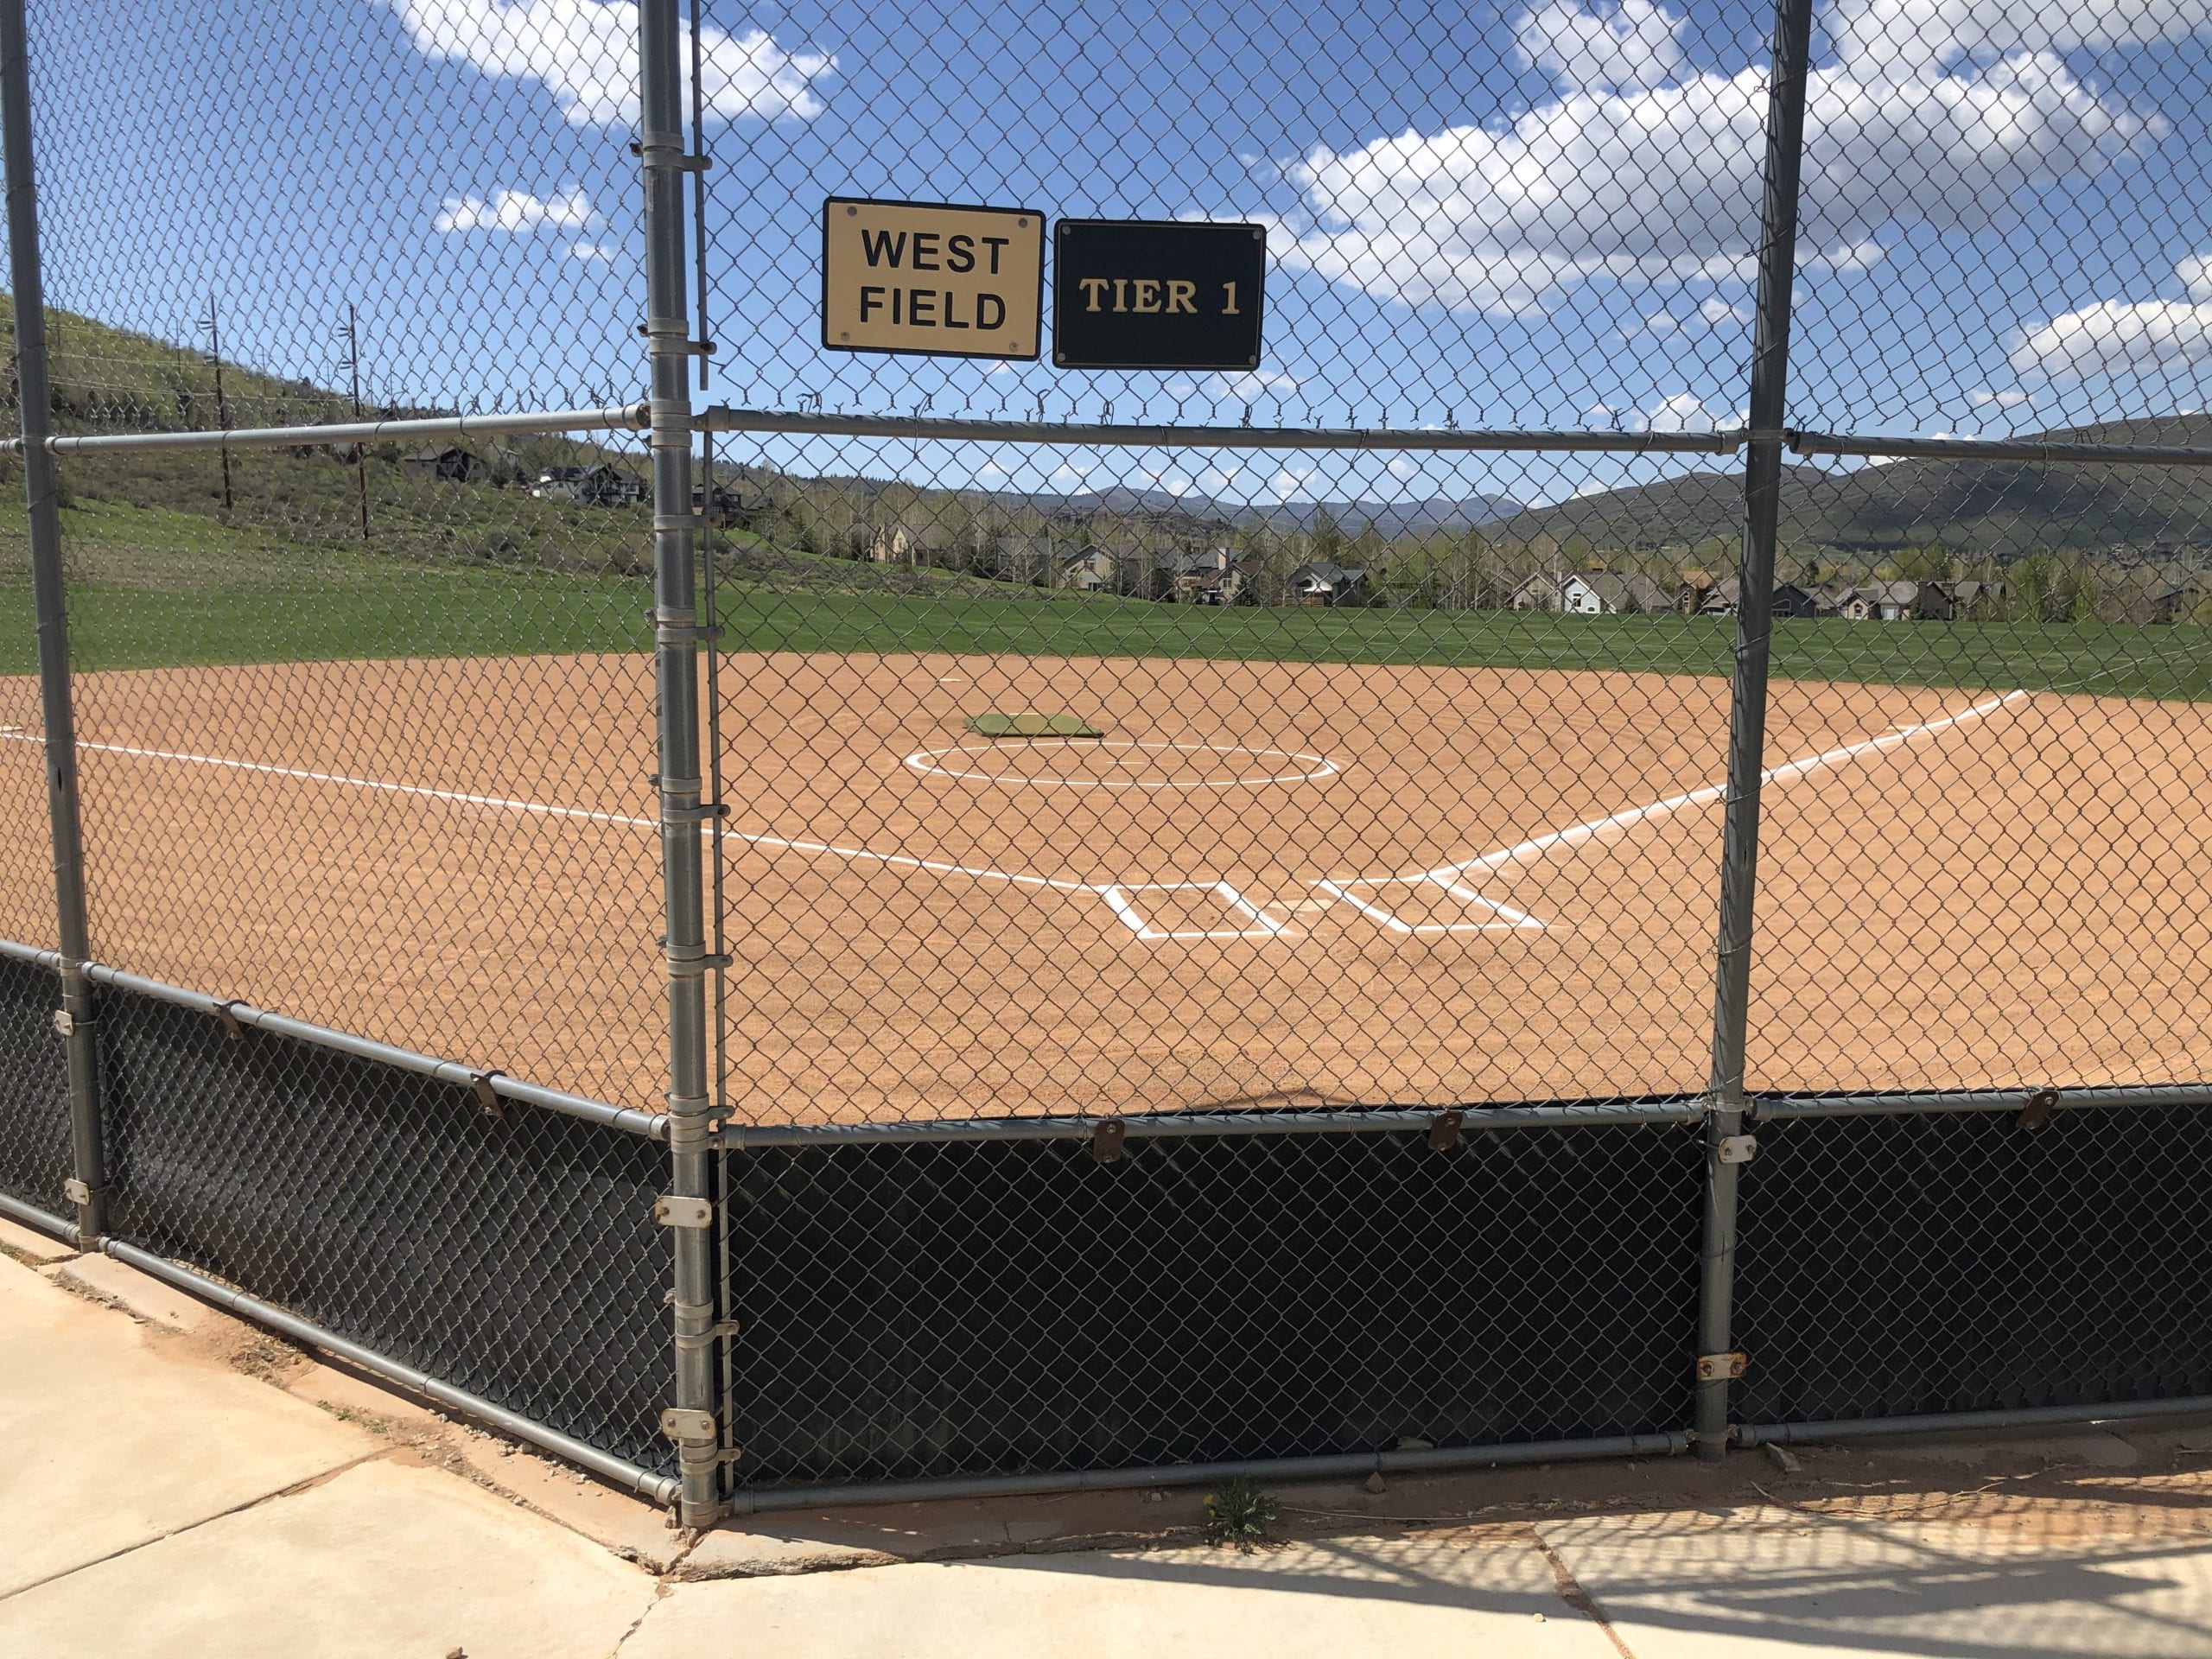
(628, 417)
(1071, 435)
(651, 1125)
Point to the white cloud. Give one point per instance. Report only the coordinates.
(2114, 339)
(1633, 45)
(585, 52)
(1287, 481)
(1871, 32)
(1661, 182)
(600, 251)
(1715, 310)
(1987, 399)
(516, 211)
(1684, 412)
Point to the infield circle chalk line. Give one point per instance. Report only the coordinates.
(925, 762)
(1675, 803)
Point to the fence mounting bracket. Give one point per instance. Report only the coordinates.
(685, 633)
(1108, 1140)
(1722, 1367)
(673, 1211)
(2036, 1113)
(699, 813)
(65, 1023)
(1739, 1148)
(680, 162)
(688, 1427)
(487, 1096)
(234, 1027)
(1444, 1130)
(76, 1191)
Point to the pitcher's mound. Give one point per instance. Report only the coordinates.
(1030, 724)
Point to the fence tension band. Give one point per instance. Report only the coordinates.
(671, 1211)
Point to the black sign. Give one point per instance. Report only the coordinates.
(1144, 294)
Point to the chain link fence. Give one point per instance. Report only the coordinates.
(1600, 849)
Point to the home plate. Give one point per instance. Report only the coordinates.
(1426, 903)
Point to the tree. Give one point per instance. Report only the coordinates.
(1324, 540)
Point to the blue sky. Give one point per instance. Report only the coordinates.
(1531, 215)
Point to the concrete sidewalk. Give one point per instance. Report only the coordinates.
(173, 1482)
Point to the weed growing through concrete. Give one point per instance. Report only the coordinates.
(1239, 1514)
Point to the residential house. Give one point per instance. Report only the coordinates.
(601, 485)
(1881, 601)
(1536, 592)
(1961, 602)
(1324, 582)
(1088, 569)
(1721, 598)
(1205, 576)
(1603, 592)
(893, 544)
(2177, 604)
(451, 465)
(727, 504)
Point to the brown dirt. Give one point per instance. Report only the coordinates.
(2019, 899)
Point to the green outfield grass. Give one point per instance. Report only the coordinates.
(151, 588)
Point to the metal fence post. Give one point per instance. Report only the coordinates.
(88, 1189)
(691, 1424)
(1777, 262)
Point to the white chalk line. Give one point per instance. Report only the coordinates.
(540, 808)
(1114, 893)
(1675, 803)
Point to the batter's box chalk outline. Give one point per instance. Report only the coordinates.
(1504, 918)
(1118, 900)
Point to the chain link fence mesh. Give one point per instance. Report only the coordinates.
(34, 1154)
(1074, 777)
(978, 1307)
(1946, 1261)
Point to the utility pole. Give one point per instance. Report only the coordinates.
(350, 334)
(212, 325)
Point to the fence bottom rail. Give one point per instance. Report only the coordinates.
(1962, 1423)
(1332, 1466)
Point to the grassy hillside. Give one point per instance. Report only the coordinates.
(1997, 511)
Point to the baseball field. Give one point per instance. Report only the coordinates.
(1269, 882)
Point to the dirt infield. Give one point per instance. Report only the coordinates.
(1268, 883)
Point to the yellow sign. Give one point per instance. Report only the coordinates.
(950, 282)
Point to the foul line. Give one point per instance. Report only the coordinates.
(540, 808)
(1675, 803)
